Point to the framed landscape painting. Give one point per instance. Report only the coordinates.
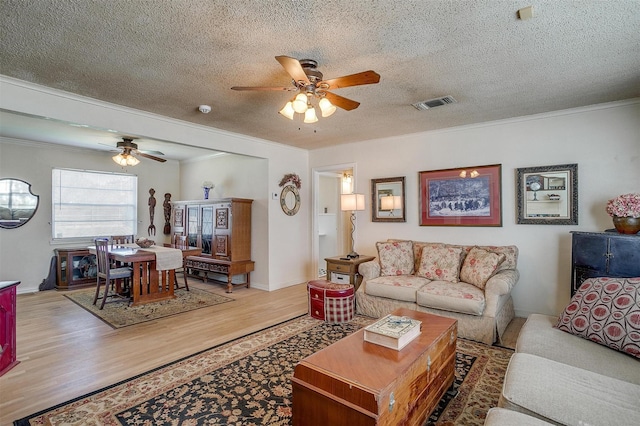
(469, 196)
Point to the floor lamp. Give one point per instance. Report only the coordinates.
(353, 203)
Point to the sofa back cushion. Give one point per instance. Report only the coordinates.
(510, 255)
(606, 311)
(396, 257)
(440, 263)
(479, 265)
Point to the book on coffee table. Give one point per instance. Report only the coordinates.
(392, 331)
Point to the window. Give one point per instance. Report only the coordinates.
(93, 204)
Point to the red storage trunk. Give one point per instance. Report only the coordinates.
(331, 302)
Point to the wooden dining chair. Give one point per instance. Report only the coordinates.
(122, 239)
(181, 243)
(108, 274)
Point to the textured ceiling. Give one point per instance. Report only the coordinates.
(169, 56)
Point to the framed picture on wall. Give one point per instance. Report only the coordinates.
(469, 196)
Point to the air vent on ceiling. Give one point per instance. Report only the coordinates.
(432, 103)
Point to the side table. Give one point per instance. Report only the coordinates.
(345, 271)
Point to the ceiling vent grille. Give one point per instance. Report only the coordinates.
(432, 103)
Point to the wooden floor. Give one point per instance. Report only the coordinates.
(65, 352)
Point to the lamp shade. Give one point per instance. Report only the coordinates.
(299, 104)
(386, 202)
(287, 111)
(310, 115)
(353, 202)
(326, 107)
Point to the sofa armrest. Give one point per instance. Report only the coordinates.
(502, 282)
(369, 270)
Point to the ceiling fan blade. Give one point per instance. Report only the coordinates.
(153, 157)
(342, 102)
(147, 151)
(279, 89)
(365, 77)
(293, 67)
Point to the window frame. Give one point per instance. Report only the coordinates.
(65, 204)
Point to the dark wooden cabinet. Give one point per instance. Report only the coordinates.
(603, 254)
(222, 229)
(8, 358)
(76, 268)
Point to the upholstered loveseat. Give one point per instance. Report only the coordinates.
(582, 368)
(469, 283)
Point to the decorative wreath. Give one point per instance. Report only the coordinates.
(293, 178)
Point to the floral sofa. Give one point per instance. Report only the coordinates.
(469, 283)
(583, 367)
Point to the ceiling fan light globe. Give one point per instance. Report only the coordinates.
(299, 104)
(119, 159)
(326, 107)
(310, 115)
(287, 111)
(132, 161)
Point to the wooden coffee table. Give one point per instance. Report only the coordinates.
(354, 382)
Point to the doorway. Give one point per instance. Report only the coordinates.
(328, 220)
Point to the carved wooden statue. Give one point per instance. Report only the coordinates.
(167, 213)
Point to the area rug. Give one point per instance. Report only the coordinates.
(248, 382)
(119, 315)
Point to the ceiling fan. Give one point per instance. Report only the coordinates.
(308, 81)
(129, 151)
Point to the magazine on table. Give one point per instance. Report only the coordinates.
(392, 331)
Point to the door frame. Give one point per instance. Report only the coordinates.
(316, 209)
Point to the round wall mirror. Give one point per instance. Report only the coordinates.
(290, 200)
(17, 203)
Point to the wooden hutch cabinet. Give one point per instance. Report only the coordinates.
(222, 229)
(76, 268)
(603, 254)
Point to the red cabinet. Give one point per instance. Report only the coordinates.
(8, 358)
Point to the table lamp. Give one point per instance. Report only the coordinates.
(353, 203)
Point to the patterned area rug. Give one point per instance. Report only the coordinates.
(119, 315)
(248, 382)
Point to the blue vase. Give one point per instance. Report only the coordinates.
(206, 193)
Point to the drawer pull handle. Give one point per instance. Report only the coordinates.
(452, 338)
(392, 402)
(429, 363)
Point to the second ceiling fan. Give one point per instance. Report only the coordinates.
(309, 82)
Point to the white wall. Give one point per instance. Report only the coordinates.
(287, 238)
(603, 140)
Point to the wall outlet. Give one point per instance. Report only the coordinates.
(274, 196)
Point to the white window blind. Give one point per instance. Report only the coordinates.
(93, 204)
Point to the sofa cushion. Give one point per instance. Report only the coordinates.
(606, 311)
(567, 395)
(456, 297)
(510, 256)
(497, 416)
(538, 336)
(479, 265)
(396, 257)
(418, 248)
(441, 263)
(398, 287)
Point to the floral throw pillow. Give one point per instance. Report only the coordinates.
(479, 266)
(396, 257)
(440, 263)
(606, 311)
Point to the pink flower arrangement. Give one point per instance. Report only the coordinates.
(293, 178)
(627, 205)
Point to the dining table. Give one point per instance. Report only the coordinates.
(153, 268)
